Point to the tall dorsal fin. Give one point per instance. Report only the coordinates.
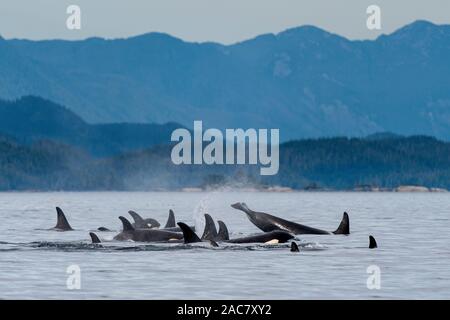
(344, 226)
(188, 234)
(126, 224)
(223, 232)
(241, 206)
(136, 217)
(294, 247)
(94, 238)
(210, 232)
(170, 220)
(61, 222)
(372, 243)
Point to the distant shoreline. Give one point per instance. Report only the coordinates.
(400, 189)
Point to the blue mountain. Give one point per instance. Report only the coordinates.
(306, 81)
(31, 119)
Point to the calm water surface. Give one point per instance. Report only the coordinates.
(412, 230)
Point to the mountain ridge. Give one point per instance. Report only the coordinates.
(32, 119)
(306, 81)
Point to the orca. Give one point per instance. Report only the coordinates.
(210, 232)
(267, 222)
(294, 247)
(94, 238)
(372, 243)
(223, 234)
(171, 223)
(276, 236)
(129, 232)
(170, 220)
(191, 237)
(61, 223)
(141, 223)
(271, 237)
(103, 229)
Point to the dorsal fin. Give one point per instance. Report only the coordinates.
(210, 232)
(103, 229)
(241, 206)
(126, 224)
(170, 220)
(94, 238)
(294, 247)
(372, 243)
(61, 222)
(344, 226)
(188, 234)
(223, 232)
(136, 217)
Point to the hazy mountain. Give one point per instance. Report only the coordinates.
(305, 81)
(31, 119)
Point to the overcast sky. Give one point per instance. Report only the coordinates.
(224, 21)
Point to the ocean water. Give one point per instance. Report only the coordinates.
(412, 260)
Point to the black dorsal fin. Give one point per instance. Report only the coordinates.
(223, 232)
(188, 234)
(61, 222)
(136, 217)
(94, 238)
(170, 220)
(372, 243)
(126, 224)
(344, 226)
(241, 206)
(294, 247)
(210, 232)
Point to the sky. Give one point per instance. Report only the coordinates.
(224, 21)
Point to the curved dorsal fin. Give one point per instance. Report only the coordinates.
(344, 226)
(294, 247)
(188, 234)
(170, 220)
(210, 232)
(61, 222)
(126, 224)
(136, 217)
(372, 243)
(94, 238)
(223, 232)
